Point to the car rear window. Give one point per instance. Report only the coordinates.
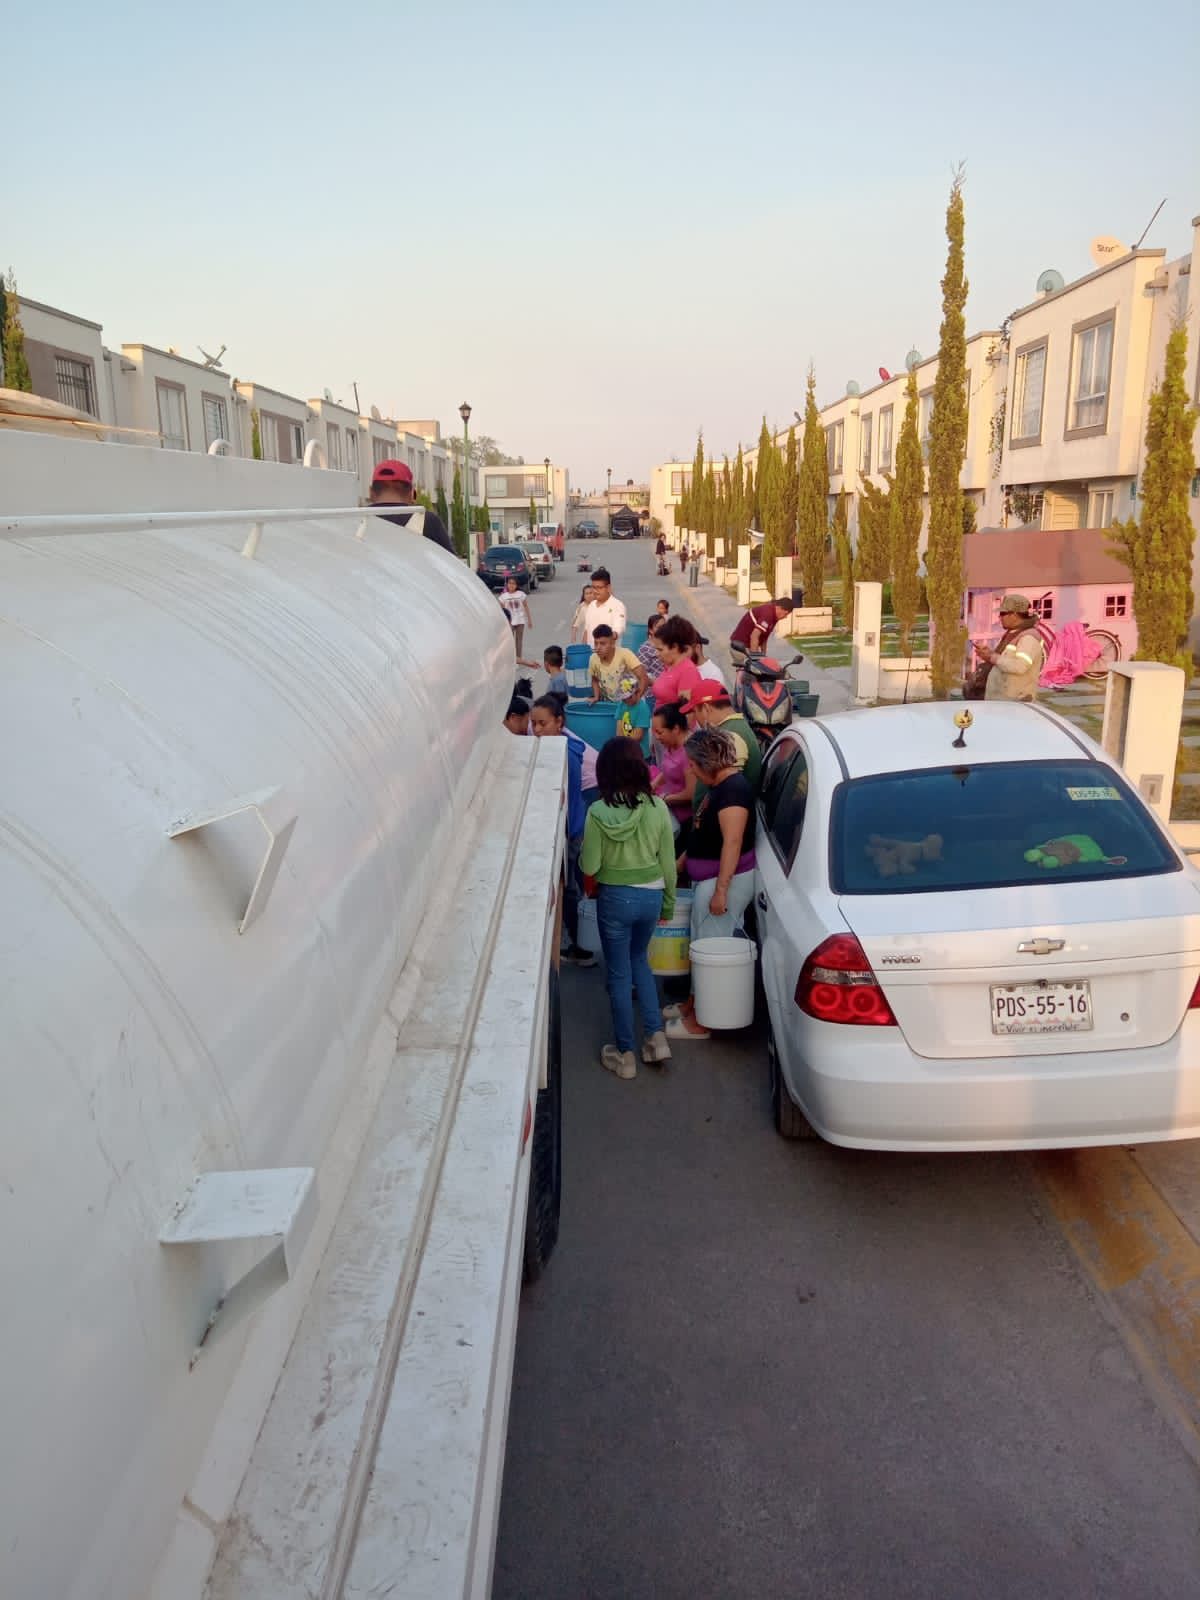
(499, 558)
(995, 826)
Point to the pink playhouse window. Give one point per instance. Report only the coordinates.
(1044, 608)
(1116, 605)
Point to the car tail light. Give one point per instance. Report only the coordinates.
(1194, 1002)
(836, 984)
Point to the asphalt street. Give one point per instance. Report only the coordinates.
(760, 1369)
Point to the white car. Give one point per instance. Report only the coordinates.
(994, 947)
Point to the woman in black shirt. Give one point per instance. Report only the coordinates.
(720, 854)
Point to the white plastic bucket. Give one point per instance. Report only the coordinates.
(589, 928)
(723, 982)
(669, 946)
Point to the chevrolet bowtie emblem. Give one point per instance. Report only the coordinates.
(1040, 947)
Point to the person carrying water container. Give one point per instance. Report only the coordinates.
(720, 855)
(628, 862)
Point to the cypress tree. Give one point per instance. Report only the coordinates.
(710, 510)
(440, 506)
(256, 435)
(727, 509)
(873, 557)
(845, 556)
(533, 516)
(812, 513)
(737, 509)
(905, 510)
(16, 367)
(791, 494)
(458, 517)
(770, 500)
(947, 446)
(696, 501)
(1157, 549)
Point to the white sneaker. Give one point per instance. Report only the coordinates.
(655, 1048)
(620, 1062)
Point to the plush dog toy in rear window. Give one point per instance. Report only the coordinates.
(892, 856)
(1069, 851)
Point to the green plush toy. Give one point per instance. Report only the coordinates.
(1068, 850)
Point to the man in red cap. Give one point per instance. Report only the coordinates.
(392, 485)
(711, 707)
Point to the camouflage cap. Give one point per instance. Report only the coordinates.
(1016, 602)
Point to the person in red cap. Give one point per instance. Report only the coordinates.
(710, 705)
(392, 485)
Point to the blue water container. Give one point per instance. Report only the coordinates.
(596, 724)
(634, 636)
(575, 664)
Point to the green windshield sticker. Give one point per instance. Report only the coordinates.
(1093, 794)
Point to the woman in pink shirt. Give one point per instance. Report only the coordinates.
(680, 675)
(671, 777)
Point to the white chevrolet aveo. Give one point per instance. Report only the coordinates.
(990, 945)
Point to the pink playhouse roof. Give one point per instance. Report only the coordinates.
(1040, 558)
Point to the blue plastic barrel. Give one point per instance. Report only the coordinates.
(634, 636)
(596, 724)
(575, 664)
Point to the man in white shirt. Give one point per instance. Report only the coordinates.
(604, 607)
(705, 667)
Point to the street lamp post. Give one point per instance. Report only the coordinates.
(549, 518)
(464, 412)
(608, 501)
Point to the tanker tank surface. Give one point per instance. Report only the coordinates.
(277, 1005)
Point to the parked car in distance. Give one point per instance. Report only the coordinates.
(503, 561)
(539, 556)
(587, 529)
(994, 947)
(625, 525)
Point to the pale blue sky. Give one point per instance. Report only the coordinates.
(602, 226)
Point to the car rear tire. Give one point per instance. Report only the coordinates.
(545, 1155)
(790, 1121)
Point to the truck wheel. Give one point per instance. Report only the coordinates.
(545, 1155)
(790, 1121)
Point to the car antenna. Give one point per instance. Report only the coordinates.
(962, 721)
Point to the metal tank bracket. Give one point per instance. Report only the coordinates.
(275, 823)
(275, 1206)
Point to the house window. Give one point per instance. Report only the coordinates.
(535, 484)
(1028, 392)
(74, 380)
(1091, 364)
(172, 417)
(833, 446)
(297, 440)
(381, 450)
(268, 436)
(333, 435)
(1116, 605)
(926, 411)
(885, 439)
(680, 481)
(866, 428)
(1100, 508)
(216, 419)
(351, 450)
(1043, 608)
(439, 472)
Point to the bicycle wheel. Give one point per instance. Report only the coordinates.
(1110, 651)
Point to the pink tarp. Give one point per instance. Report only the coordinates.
(1069, 656)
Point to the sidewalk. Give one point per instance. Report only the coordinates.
(716, 613)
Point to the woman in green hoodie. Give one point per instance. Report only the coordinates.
(628, 861)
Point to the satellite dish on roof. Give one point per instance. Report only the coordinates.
(852, 389)
(1050, 281)
(1106, 250)
(912, 359)
(375, 416)
(329, 395)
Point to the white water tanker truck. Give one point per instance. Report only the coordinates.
(279, 1061)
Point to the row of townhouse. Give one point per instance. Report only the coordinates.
(1057, 403)
(160, 398)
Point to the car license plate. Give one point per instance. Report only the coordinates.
(1042, 1007)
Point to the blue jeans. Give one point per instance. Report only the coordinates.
(627, 918)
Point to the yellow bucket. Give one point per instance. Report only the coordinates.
(669, 947)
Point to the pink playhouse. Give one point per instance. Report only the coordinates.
(1069, 574)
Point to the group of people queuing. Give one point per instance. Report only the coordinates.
(638, 826)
